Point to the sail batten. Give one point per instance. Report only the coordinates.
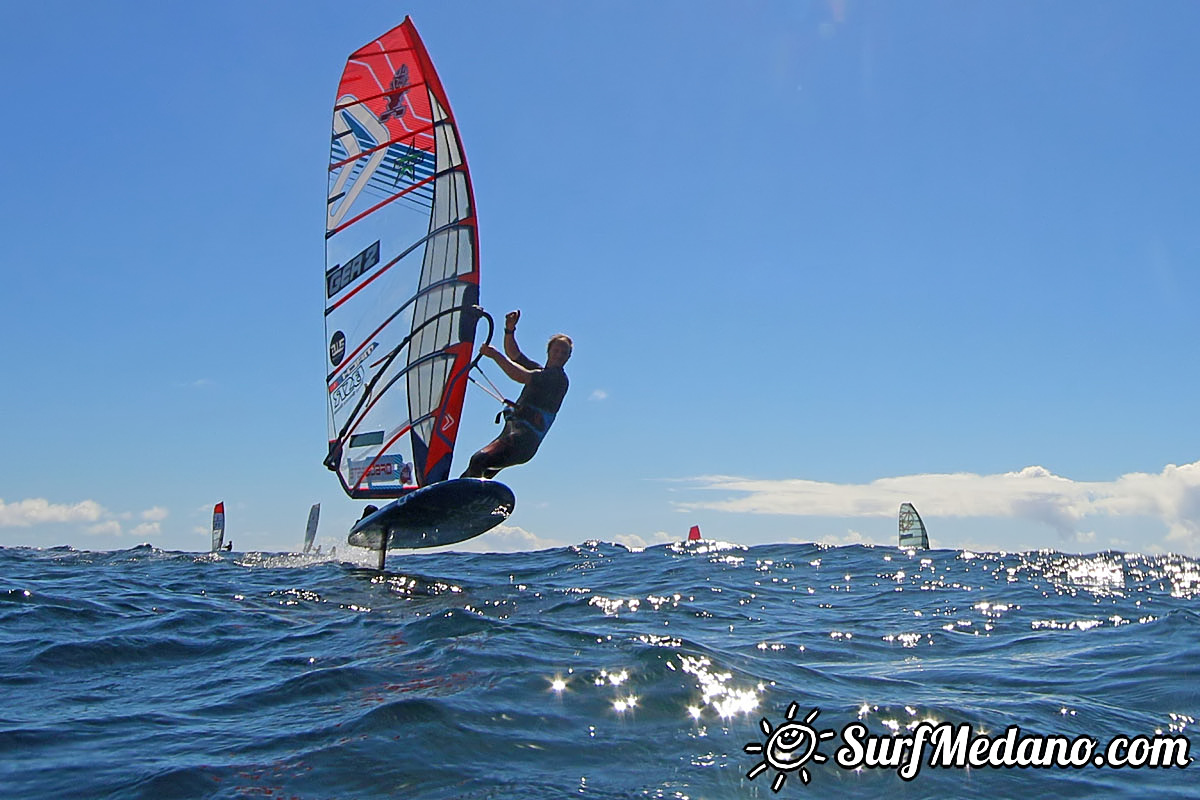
(375, 148)
(380, 52)
(402, 272)
(364, 100)
(386, 201)
(386, 268)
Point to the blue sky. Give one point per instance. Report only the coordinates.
(817, 259)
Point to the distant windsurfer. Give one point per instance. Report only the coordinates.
(527, 420)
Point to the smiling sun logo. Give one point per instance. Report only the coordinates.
(788, 748)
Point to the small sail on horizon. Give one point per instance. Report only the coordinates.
(310, 532)
(694, 534)
(218, 526)
(912, 528)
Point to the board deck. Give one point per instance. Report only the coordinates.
(442, 513)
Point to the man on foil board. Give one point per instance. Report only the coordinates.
(529, 419)
(402, 291)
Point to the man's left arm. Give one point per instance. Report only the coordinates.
(514, 371)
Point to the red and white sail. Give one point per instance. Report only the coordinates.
(402, 272)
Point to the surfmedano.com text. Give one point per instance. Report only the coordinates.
(956, 746)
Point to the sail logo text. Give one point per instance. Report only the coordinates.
(389, 468)
(346, 387)
(792, 744)
(351, 380)
(343, 275)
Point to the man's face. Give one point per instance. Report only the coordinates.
(557, 353)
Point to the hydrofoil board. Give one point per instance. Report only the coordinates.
(441, 513)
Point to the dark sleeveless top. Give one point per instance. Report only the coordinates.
(540, 399)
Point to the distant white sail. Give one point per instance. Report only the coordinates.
(310, 532)
(912, 529)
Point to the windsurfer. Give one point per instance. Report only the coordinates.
(528, 420)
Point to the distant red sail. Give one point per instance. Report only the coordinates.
(218, 526)
(694, 534)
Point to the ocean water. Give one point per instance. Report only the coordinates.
(591, 671)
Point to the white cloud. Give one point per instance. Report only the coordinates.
(635, 542)
(849, 537)
(146, 529)
(37, 511)
(598, 395)
(1033, 493)
(506, 539)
